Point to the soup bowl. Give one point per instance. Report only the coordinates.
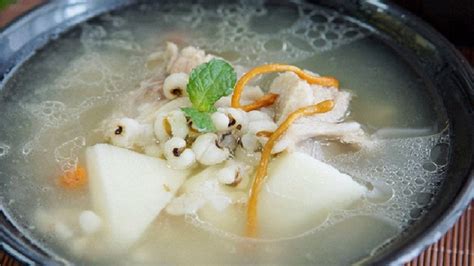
(445, 72)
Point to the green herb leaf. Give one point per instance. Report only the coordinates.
(209, 82)
(201, 120)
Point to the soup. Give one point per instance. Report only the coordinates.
(72, 97)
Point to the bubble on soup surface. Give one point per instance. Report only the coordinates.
(50, 113)
(27, 148)
(244, 24)
(420, 181)
(430, 166)
(67, 154)
(422, 199)
(274, 45)
(319, 18)
(4, 149)
(415, 213)
(439, 154)
(379, 193)
(394, 164)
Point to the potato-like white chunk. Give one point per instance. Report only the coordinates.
(299, 193)
(129, 190)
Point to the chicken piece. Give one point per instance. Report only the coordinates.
(260, 121)
(341, 99)
(157, 58)
(150, 89)
(348, 133)
(296, 93)
(148, 94)
(293, 93)
(171, 53)
(184, 60)
(251, 94)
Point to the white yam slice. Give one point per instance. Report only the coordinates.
(299, 193)
(129, 190)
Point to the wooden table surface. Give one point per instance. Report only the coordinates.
(454, 248)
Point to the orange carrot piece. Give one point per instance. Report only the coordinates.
(261, 173)
(73, 179)
(263, 69)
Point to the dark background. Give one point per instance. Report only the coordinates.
(454, 19)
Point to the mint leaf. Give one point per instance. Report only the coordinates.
(201, 120)
(209, 82)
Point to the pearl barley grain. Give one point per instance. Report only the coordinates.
(89, 222)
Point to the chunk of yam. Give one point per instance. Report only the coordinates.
(300, 192)
(129, 190)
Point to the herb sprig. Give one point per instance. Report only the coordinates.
(207, 84)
